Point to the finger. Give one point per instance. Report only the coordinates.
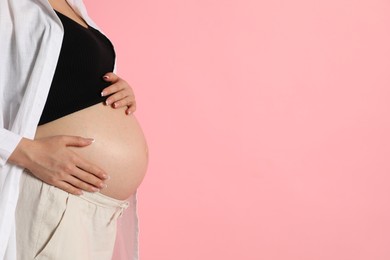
(123, 102)
(114, 88)
(68, 188)
(128, 111)
(131, 109)
(116, 97)
(92, 174)
(110, 77)
(79, 184)
(89, 179)
(77, 141)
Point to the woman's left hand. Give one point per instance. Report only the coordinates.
(122, 93)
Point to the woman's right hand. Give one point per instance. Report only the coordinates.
(50, 160)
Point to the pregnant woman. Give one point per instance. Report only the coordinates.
(88, 155)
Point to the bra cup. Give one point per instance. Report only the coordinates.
(86, 55)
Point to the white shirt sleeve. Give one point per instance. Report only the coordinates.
(8, 143)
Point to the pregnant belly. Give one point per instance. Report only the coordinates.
(120, 147)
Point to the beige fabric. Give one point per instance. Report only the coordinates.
(53, 224)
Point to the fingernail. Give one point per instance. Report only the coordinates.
(102, 94)
(106, 77)
(80, 192)
(91, 139)
(115, 105)
(95, 189)
(107, 103)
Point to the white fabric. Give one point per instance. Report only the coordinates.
(30, 42)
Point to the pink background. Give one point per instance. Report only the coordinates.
(267, 122)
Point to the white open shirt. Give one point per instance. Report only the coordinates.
(30, 42)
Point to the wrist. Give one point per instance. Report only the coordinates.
(20, 155)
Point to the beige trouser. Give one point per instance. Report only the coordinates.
(53, 224)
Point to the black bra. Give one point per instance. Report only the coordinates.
(86, 55)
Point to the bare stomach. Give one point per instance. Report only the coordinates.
(120, 147)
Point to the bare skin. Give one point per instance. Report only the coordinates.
(59, 155)
(119, 149)
(63, 7)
